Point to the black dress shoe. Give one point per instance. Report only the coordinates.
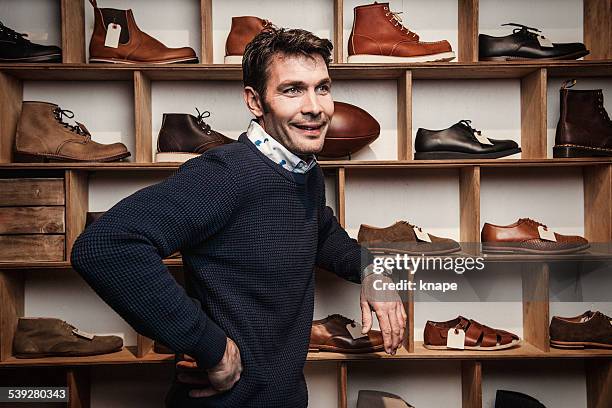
(459, 141)
(513, 399)
(525, 44)
(15, 48)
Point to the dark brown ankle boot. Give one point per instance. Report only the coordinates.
(584, 128)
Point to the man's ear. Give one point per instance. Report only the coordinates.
(253, 101)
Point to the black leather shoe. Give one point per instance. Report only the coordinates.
(524, 44)
(459, 142)
(15, 48)
(513, 399)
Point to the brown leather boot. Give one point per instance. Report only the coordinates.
(243, 30)
(43, 136)
(134, 46)
(48, 337)
(183, 137)
(584, 128)
(379, 36)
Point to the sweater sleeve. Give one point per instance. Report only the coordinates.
(120, 256)
(337, 252)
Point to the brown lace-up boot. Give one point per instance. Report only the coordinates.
(378, 35)
(243, 30)
(42, 135)
(134, 46)
(584, 128)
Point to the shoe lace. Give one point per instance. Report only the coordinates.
(10, 33)
(529, 220)
(341, 318)
(200, 120)
(600, 107)
(524, 30)
(397, 22)
(468, 124)
(60, 113)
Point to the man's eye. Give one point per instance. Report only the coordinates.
(324, 88)
(292, 90)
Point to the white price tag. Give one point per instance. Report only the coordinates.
(83, 334)
(482, 139)
(421, 235)
(112, 35)
(455, 340)
(545, 42)
(546, 235)
(355, 332)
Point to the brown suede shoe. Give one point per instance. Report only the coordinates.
(523, 237)
(48, 337)
(243, 30)
(332, 334)
(477, 336)
(589, 330)
(378, 35)
(42, 135)
(402, 238)
(134, 46)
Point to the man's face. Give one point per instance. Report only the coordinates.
(298, 106)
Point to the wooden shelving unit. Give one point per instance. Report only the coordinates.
(533, 77)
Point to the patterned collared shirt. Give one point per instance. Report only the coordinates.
(276, 151)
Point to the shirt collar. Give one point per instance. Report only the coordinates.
(276, 152)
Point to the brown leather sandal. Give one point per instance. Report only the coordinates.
(477, 336)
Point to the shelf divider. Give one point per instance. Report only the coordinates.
(469, 202)
(599, 383)
(144, 345)
(73, 31)
(468, 30)
(338, 30)
(471, 384)
(404, 116)
(143, 118)
(341, 197)
(206, 51)
(533, 115)
(342, 385)
(11, 96)
(77, 205)
(78, 381)
(12, 291)
(535, 277)
(597, 28)
(598, 203)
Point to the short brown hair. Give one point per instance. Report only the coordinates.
(272, 41)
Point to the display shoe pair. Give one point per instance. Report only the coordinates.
(340, 334)
(15, 47)
(465, 334)
(404, 238)
(379, 399)
(117, 39)
(49, 337)
(42, 135)
(530, 237)
(588, 330)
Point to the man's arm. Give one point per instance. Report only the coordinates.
(121, 254)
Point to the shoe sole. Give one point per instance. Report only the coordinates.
(518, 250)
(70, 354)
(130, 62)
(574, 55)
(476, 348)
(333, 349)
(445, 155)
(578, 345)
(232, 59)
(568, 151)
(174, 157)
(366, 58)
(392, 251)
(40, 58)
(46, 158)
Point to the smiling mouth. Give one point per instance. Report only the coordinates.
(310, 128)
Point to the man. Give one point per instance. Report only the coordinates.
(251, 223)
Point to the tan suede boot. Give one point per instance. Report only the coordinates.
(48, 337)
(43, 136)
(244, 29)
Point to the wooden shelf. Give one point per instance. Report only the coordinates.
(343, 71)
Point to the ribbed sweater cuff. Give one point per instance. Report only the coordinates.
(211, 347)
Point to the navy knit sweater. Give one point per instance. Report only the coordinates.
(250, 233)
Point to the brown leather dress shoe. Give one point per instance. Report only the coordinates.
(524, 237)
(42, 135)
(402, 238)
(477, 336)
(588, 330)
(244, 29)
(134, 46)
(378, 35)
(48, 337)
(332, 334)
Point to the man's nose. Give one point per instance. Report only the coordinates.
(311, 104)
